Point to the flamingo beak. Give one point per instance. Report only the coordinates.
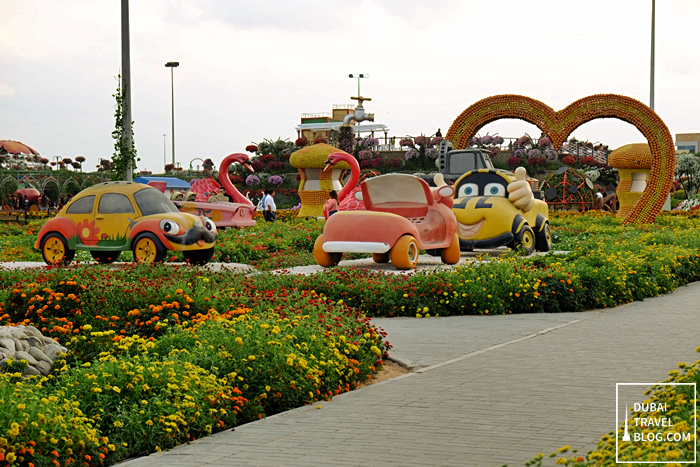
(248, 166)
(329, 164)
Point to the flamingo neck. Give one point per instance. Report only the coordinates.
(354, 176)
(226, 180)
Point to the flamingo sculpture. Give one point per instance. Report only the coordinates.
(351, 187)
(239, 213)
(226, 180)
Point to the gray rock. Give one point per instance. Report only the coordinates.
(31, 330)
(34, 342)
(43, 367)
(4, 353)
(19, 345)
(22, 355)
(47, 340)
(9, 344)
(3, 362)
(63, 349)
(31, 371)
(52, 351)
(39, 355)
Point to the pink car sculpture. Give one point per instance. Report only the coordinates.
(240, 213)
(403, 216)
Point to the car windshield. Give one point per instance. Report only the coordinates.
(151, 201)
(396, 188)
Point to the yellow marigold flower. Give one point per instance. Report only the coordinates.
(118, 424)
(239, 341)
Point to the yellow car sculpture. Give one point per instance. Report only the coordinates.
(495, 209)
(110, 217)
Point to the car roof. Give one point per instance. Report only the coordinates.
(114, 187)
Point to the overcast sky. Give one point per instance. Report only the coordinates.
(250, 68)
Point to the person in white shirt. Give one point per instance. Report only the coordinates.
(269, 206)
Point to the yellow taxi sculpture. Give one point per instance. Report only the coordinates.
(111, 217)
(495, 209)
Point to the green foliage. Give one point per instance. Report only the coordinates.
(124, 156)
(688, 170)
(278, 148)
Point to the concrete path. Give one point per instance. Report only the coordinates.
(491, 391)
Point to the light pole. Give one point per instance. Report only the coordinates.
(651, 93)
(358, 76)
(126, 86)
(172, 65)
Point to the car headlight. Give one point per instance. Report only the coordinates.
(171, 227)
(209, 224)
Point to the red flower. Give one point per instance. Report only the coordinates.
(88, 232)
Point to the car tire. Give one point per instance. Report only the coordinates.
(55, 251)
(380, 258)
(526, 239)
(148, 249)
(199, 257)
(105, 257)
(323, 258)
(544, 239)
(451, 254)
(404, 254)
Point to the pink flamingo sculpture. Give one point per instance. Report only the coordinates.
(226, 180)
(239, 213)
(351, 187)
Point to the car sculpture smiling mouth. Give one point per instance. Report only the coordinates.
(110, 217)
(488, 218)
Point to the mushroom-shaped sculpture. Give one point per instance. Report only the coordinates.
(633, 162)
(316, 184)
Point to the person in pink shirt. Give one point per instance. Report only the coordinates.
(332, 204)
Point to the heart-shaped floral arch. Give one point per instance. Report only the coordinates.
(559, 125)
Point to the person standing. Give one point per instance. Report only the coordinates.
(270, 211)
(332, 204)
(438, 134)
(44, 202)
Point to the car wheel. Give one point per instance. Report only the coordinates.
(451, 254)
(405, 253)
(323, 258)
(526, 239)
(380, 257)
(105, 257)
(199, 257)
(148, 249)
(54, 249)
(544, 239)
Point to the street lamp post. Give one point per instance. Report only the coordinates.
(126, 86)
(172, 65)
(651, 92)
(358, 76)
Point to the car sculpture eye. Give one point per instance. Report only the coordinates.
(468, 189)
(209, 225)
(494, 189)
(170, 227)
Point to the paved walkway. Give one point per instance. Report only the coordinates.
(489, 391)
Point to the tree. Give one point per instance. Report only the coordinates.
(688, 171)
(124, 156)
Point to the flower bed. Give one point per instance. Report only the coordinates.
(151, 366)
(607, 264)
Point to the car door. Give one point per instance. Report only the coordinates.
(114, 213)
(80, 212)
